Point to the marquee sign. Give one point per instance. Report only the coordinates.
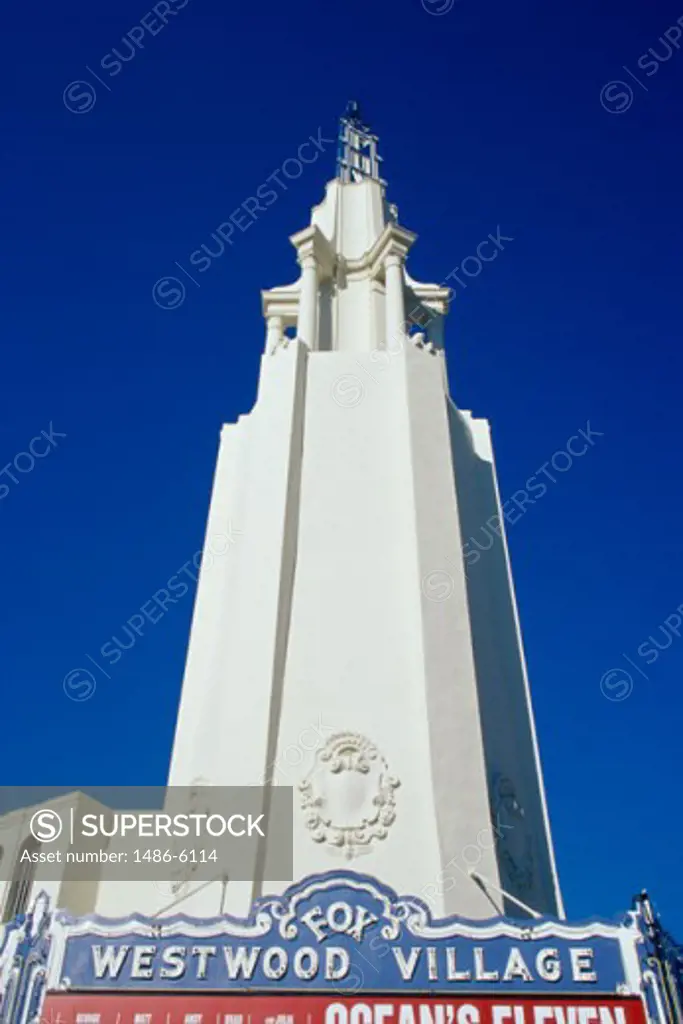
(338, 948)
(343, 932)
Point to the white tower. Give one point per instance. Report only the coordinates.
(339, 645)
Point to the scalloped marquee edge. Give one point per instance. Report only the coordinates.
(408, 912)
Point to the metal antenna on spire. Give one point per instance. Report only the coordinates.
(357, 154)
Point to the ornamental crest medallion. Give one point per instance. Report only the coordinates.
(348, 796)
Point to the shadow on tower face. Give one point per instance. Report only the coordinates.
(522, 839)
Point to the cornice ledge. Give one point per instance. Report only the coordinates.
(311, 240)
(280, 301)
(393, 240)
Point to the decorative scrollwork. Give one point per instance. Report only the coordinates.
(348, 797)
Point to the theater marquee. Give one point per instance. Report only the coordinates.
(338, 948)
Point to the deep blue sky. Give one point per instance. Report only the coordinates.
(489, 115)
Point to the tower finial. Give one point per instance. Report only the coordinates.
(357, 155)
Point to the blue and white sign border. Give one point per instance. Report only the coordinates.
(399, 917)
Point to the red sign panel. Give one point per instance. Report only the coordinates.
(127, 1008)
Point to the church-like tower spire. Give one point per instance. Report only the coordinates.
(354, 293)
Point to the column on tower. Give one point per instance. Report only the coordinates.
(388, 256)
(273, 333)
(307, 328)
(316, 259)
(395, 303)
